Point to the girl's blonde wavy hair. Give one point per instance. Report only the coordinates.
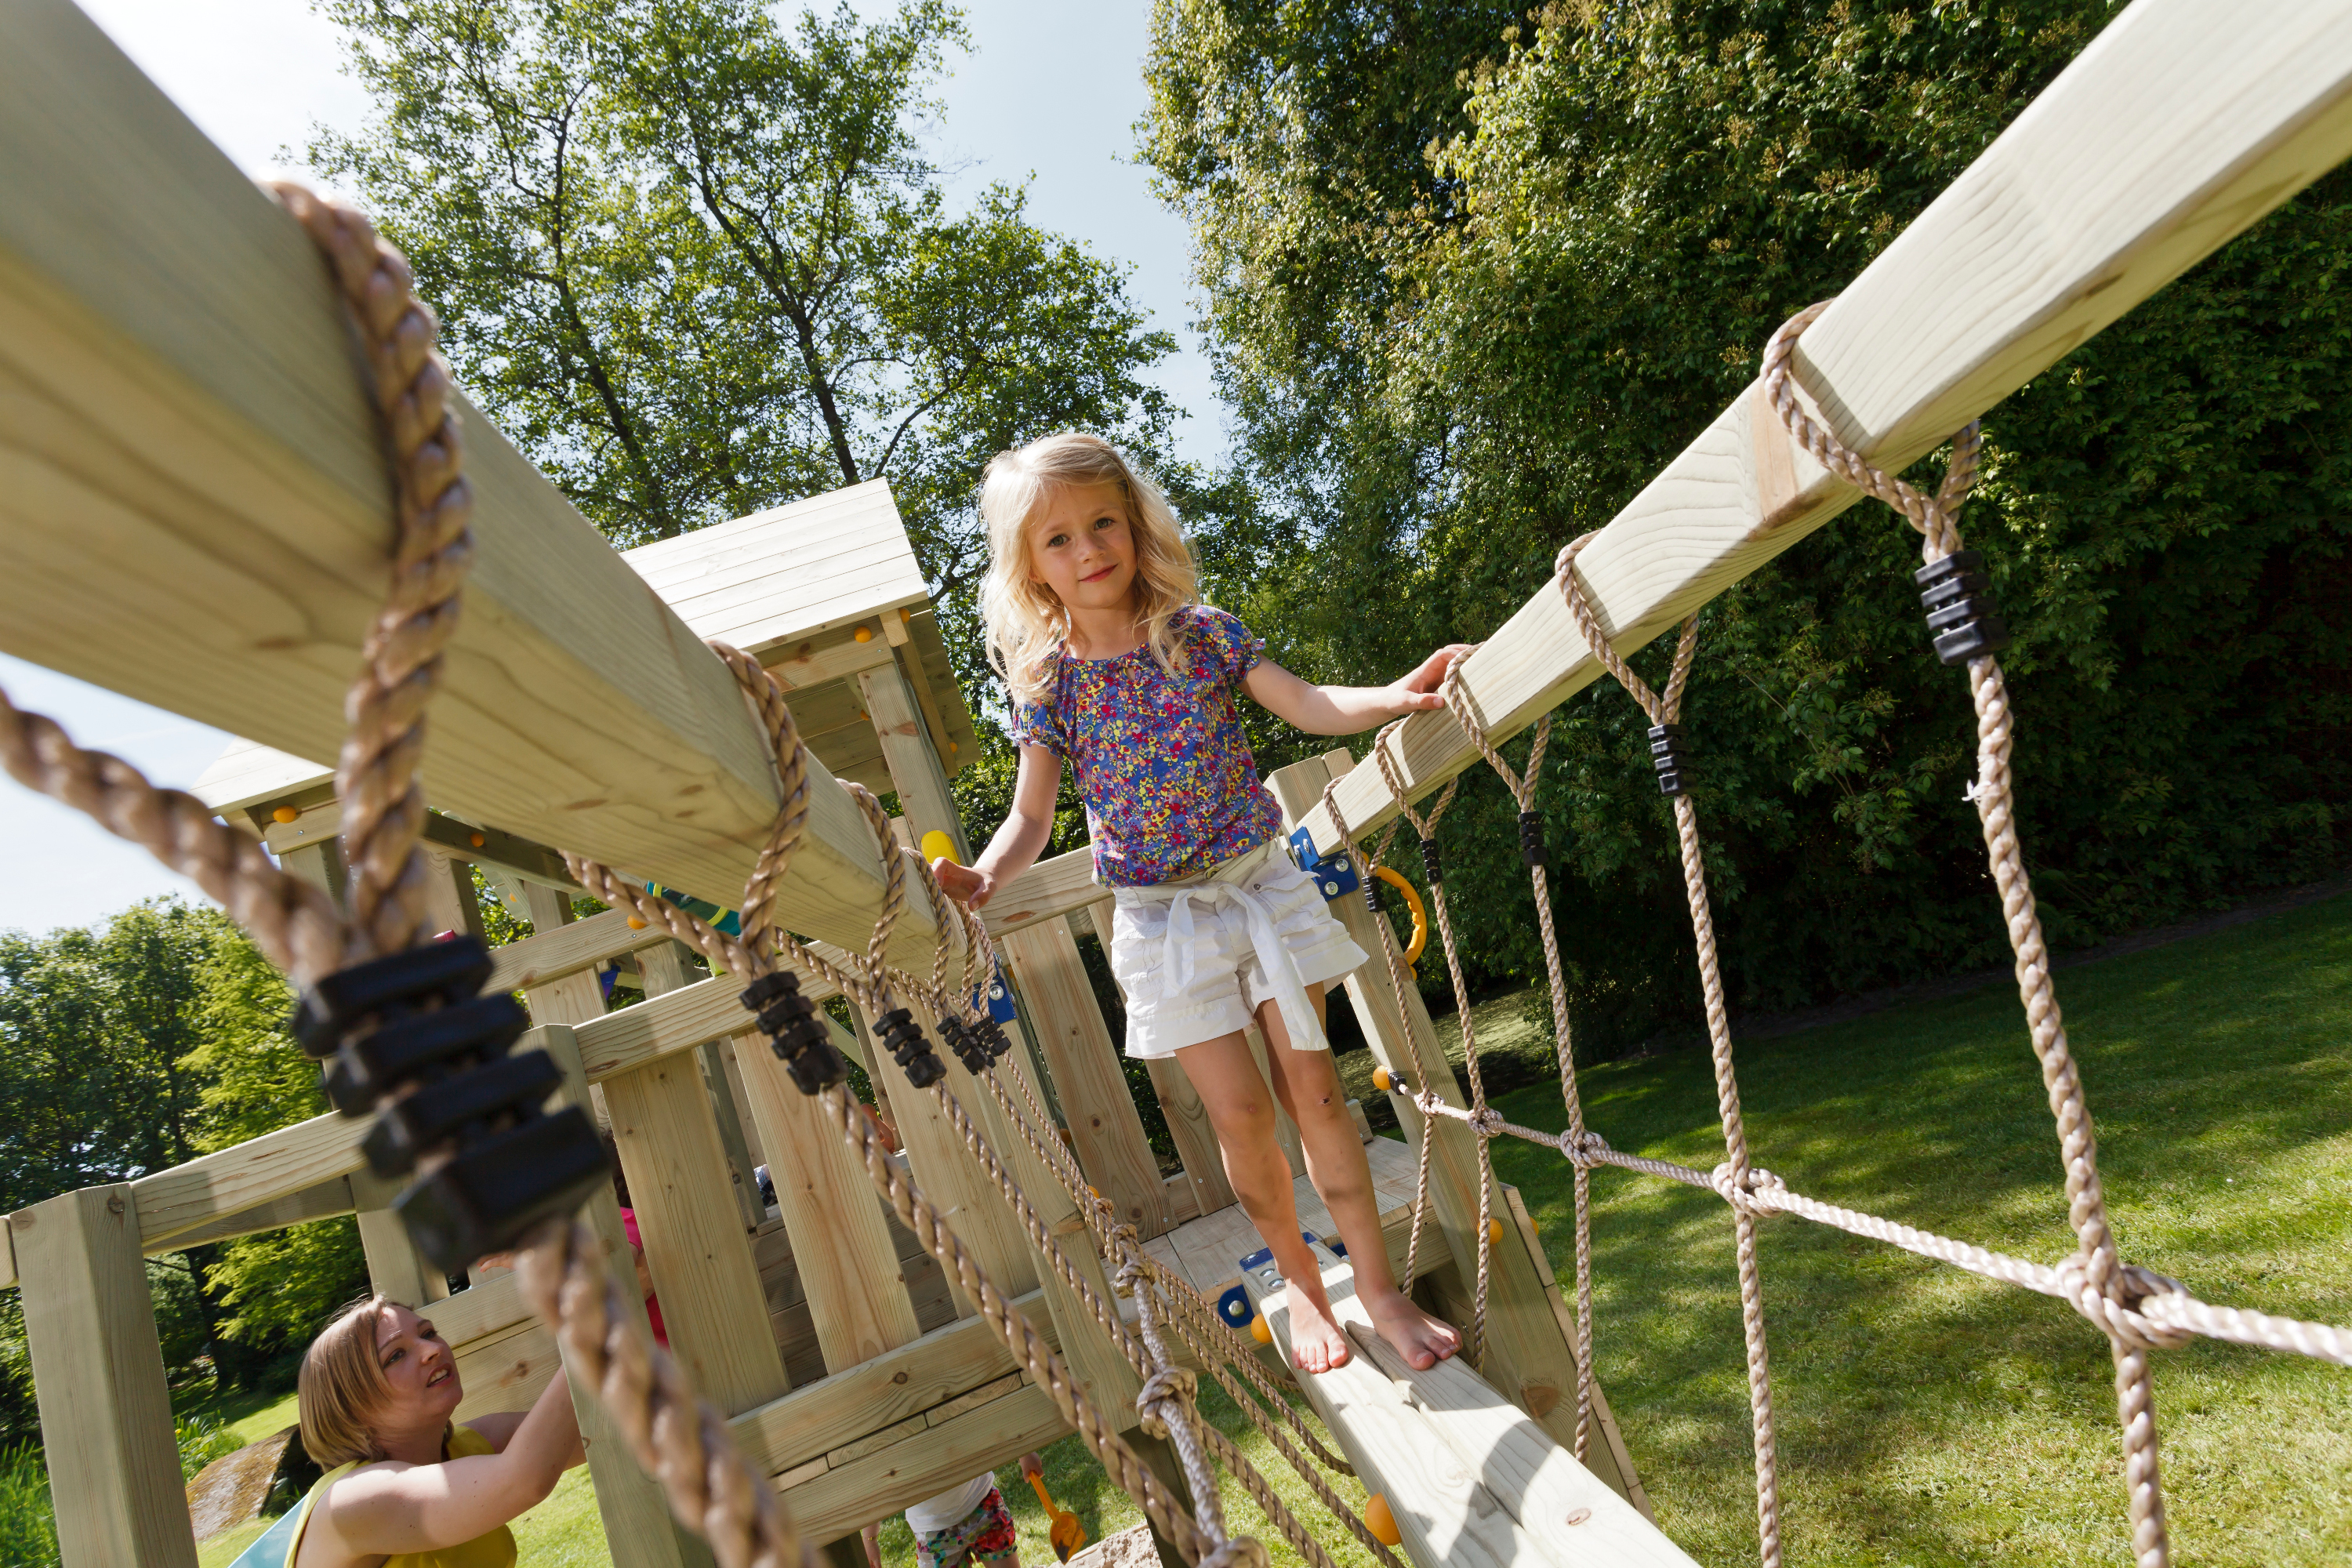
(342, 1387)
(1025, 620)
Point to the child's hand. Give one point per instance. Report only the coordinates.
(1030, 1465)
(966, 885)
(1417, 692)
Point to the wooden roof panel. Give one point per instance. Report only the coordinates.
(247, 773)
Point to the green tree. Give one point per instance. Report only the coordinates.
(1614, 205)
(692, 259)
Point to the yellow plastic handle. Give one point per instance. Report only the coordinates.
(938, 845)
(1396, 879)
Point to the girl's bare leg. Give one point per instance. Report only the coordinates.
(1308, 1087)
(1241, 1108)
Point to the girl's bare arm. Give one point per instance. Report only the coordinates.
(386, 1509)
(1347, 710)
(1024, 835)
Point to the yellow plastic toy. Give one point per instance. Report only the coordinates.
(1065, 1534)
(1382, 1522)
(1396, 879)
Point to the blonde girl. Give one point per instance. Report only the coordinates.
(1116, 668)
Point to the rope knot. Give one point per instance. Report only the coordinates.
(1487, 1122)
(1739, 1195)
(1586, 1153)
(1241, 1551)
(2117, 1311)
(1167, 1385)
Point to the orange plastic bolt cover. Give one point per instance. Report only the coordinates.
(476, 839)
(636, 924)
(1494, 1230)
(865, 634)
(1380, 1079)
(1261, 1331)
(1382, 1522)
(285, 813)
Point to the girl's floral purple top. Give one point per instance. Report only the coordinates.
(1163, 759)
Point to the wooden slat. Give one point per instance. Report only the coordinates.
(506, 1369)
(2181, 125)
(915, 767)
(632, 1037)
(810, 664)
(808, 1423)
(106, 1411)
(925, 1463)
(694, 1240)
(258, 1170)
(193, 485)
(322, 1201)
(1105, 1132)
(548, 955)
(1047, 890)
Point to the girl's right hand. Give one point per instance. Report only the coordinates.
(967, 885)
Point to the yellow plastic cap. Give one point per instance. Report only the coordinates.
(1380, 1079)
(1263, 1333)
(285, 813)
(1382, 1522)
(938, 845)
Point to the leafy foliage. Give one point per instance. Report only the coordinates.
(1445, 367)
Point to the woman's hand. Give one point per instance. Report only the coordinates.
(1417, 692)
(967, 885)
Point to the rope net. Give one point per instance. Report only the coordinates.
(2137, 1309)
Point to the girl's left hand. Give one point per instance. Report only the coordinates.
(1417, 692)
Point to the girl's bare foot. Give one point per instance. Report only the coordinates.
(1316, 1343)
(1423, 1340)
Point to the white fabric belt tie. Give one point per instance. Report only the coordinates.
(1281, 970)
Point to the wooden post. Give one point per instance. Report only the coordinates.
(1528, 1357)
(663, 970)
(574, 998)
(449, 900)
(106, 1411)
(915, 769)
(638, 1526)
(841, 1243)
(1105, 1131)
(694, 1238)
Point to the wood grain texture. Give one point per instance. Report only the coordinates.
(1049, 890)
(1452, 1512)
(694, 1238)
(261, 1170)
(549, 955)
(1105, 1132)
(926, 1372)
(106, 1411)
(2182, 124)
(1625, 1481)
(190, 462)
(917, 769)
(323, 1201)
(925, 1463)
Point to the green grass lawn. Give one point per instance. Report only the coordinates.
(1928, 1417)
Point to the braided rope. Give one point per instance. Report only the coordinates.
(1463, 706)
(1666, 710)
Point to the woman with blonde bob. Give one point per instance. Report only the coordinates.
(404, 1487)
(1094, 622)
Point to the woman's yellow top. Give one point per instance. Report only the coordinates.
(278, 1545)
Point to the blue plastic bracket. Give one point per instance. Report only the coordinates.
(1000, 998)
(1335, 875)
(1234, 1307)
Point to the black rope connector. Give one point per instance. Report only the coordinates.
(1432, 862)
(414, 1043)
(1962, 614)
(795, 1032)
(908, 1048)
(965, 1042)
(1531, 839)
(1666, 755)
(991, 1034)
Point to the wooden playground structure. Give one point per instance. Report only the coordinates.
(193, 487)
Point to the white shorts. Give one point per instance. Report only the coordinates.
(1197, 958)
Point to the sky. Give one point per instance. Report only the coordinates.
(1047, 96)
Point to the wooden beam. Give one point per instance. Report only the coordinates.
(549, 954)
(1105, 1133)
(2178, 127)
(323, 1200)
(192, 484)
(881, 1392)
(924, 1463)
(1049, 890)
(395, 1267)
(914, 763)
(261, 1170)
(106, 1411)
